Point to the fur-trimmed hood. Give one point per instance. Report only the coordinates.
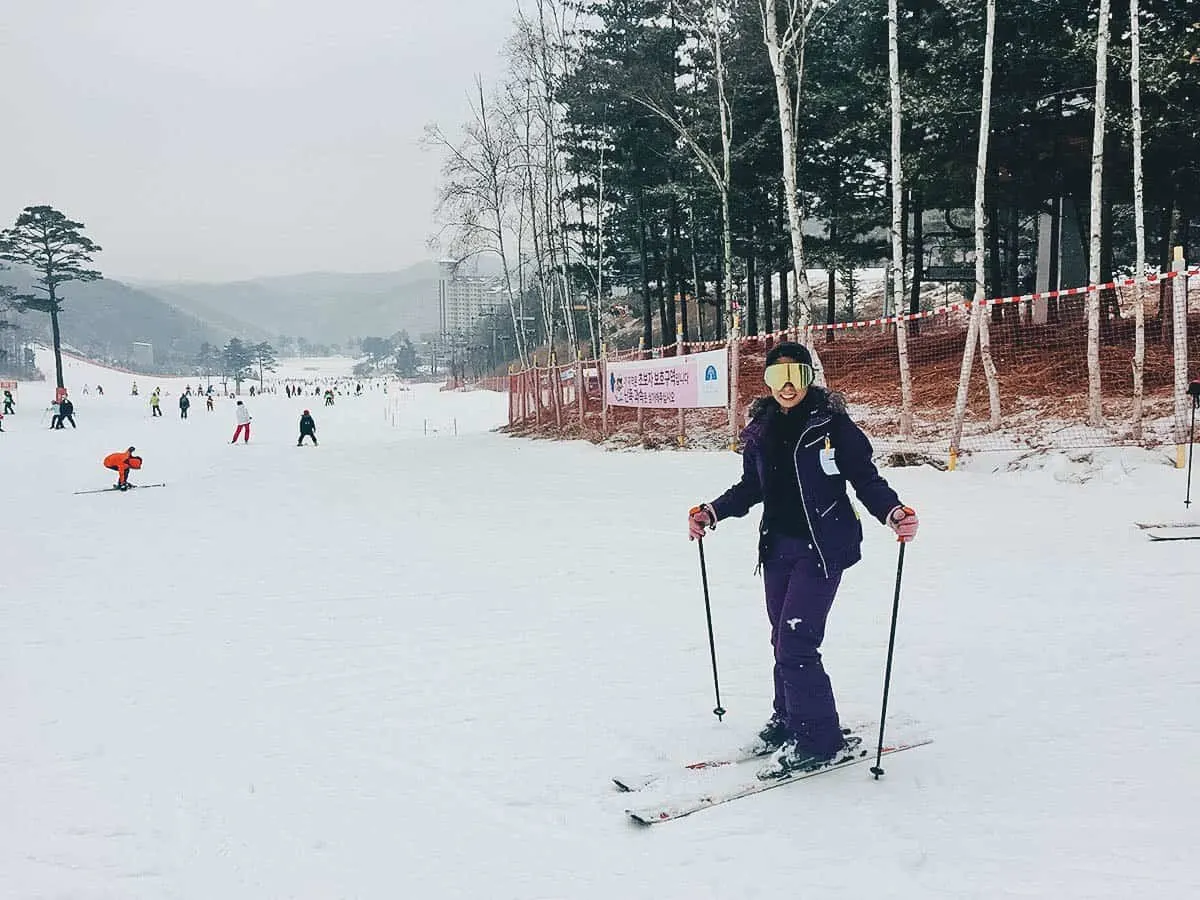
(764, 409)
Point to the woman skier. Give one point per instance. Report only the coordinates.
(243, 422)
(799, 451)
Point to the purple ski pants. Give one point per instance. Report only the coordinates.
(799, 597)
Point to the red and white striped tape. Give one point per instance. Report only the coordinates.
(998, 301)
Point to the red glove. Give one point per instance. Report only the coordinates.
(700, 518)
(903, 520)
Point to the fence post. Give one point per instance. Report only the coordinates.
(556, 390)
(537, 394)
(641, 410)
(602, 369)
(1179, 310)
(732, 344)
(579, 387)
(681, 351)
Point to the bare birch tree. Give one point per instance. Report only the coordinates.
(978, 320)
(1095, 412)
(785, 51)
(1139, 220)
(476, 195)
(709, 22)
(897, 217)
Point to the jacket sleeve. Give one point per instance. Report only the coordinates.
(736, 502)
(854, 460)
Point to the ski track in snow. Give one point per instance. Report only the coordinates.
(400, 665)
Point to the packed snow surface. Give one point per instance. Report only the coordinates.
(407, 662)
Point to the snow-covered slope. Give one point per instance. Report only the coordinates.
(401, 665)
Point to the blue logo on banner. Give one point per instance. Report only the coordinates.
(710, 374)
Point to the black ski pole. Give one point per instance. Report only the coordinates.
(712, 644)
(876, 770)
(1193, 392)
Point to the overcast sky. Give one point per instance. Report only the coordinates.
(219, 139)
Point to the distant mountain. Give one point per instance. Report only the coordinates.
(104, 318)
(322, 307)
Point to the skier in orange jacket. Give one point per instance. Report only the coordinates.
(121, 462)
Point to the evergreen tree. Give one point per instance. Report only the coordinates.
(58, 252)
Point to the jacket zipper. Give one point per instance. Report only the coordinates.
(803, 502)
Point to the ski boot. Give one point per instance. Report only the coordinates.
(793, 758)
(773, 736)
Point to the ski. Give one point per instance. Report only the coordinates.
(669, 809)
(641, 782)
(113, 490)
(1145, 526)
(1175, 533)
(630, 783)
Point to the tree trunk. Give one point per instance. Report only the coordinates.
(768, 301)
(1013, 259)
(1164, 260)
(722, 324)
(697, 285)
(783, 299)
(1110, 307)
(1095, 410)
(665, 326)
(777, 54)
(647, 303)
(830, 298)
(751, 294)
(995, 282)
(672, 273)
(1054, 277)
(975, 331)
(56, 338)
(898, 222)
(918, 254)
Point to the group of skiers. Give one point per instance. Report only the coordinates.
(308, 425)
(123, 461)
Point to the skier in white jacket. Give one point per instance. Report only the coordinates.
(243, 422)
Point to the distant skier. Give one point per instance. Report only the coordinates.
(100, 390)
(329, 398)
(208, 401)
(308, 428)
(801, 449)
(9, 409)
(243, 422)
(133, 391)
(66, 413)
(155, 409)
(185, 404)
(121, 462)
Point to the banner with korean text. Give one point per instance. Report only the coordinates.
(677, 382)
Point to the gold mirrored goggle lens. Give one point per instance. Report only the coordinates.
(800, 375)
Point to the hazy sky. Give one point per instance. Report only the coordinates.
(215, 139)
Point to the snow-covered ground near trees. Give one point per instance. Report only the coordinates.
(407, 662)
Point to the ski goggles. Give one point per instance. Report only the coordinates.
(799, 375)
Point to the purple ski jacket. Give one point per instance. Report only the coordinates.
(822, 476)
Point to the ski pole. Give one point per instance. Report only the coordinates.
(1193, 392)
(876, 770)
(712, 645)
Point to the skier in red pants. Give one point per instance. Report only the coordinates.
(243, 422)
